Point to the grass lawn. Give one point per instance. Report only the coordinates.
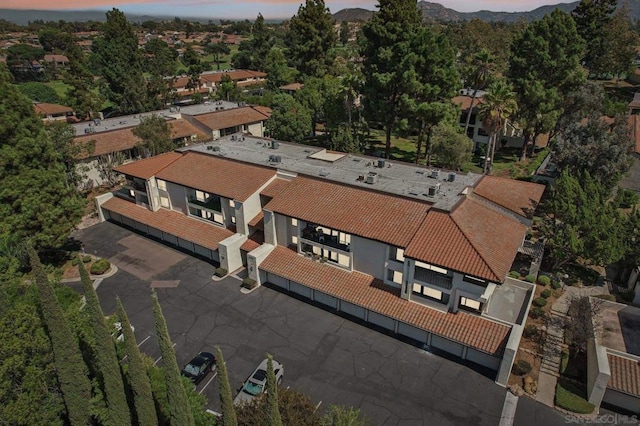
(571, 397)
(59, 87)
(401, 149)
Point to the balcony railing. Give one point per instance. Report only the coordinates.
(138, 186)
(433, 278)
(211, 204)
(324, 239)
(124, 194)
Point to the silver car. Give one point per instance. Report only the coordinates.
(257, 382)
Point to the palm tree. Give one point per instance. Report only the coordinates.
(482, 66)
(500, 104)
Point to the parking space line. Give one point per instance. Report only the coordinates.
(210, 380)
(140, 344)
(158, 360)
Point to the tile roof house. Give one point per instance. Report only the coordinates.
(422, 264)
(52, 112)
(188, 125)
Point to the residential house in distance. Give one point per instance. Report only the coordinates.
(189, 125)
(420, 252)
(243, 78)
(511, 135)
(53, 112)
(291, 89)
(56, 61)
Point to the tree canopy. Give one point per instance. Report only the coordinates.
(290, 120)
(155, 134)
(33, 184)
(544, 67)
(120, 63)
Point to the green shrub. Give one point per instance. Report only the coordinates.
(530, 278)
(249, 283)
(555, 285)
(86, 259)
(540, 302)
(536, 312)
(545, 293)
(530, 331)
(544, 280)
(100, 267)
(626, 198)
(75, 262)
(514, 274)
(521, 367)
(568, 397)
(221, 272)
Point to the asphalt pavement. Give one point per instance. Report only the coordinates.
(331, 358)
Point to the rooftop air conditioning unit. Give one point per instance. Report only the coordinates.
(233, 137)
(89, 129)
(452, 176)
(372, 178)
(274, 144)
(275, 159)
(435, 174)
(381, 163)
(433, 190)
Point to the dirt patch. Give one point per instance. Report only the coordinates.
(72, 271)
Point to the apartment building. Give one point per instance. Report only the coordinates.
(423, 253)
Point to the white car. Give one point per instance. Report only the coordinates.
(257, 382)
(119, 335)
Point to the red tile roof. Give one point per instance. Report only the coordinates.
(259, 217)
(365, 291)
(274, 188)
(634, 123)
(235, 75)
(292, 86)
(181, 128)
(254, 241)
(108, 142)
(231, 179)
(387, 218)
(174, 223)
(465, 101)
(515, 195)
(625, 375)
(231, 117)
(474, 239)
(148, 167)
(44, 108)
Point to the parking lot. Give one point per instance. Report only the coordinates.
(332, 359)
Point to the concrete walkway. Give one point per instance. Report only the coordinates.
(554, 343)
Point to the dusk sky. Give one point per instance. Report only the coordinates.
(216, 9)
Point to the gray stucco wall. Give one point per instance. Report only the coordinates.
(177, 195)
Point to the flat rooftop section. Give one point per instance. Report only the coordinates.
(620, 325)
(509, 301)
(174, 112)
(387, 176)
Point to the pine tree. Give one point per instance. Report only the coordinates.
(70, 367)
(273, 413)
(33, 185)
(137, 373)
(107, 366)
(226, 400)
(180, 412)
(120, 63)
(388, 67)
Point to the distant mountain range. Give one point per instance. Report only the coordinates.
(430, 11)
(437, 12)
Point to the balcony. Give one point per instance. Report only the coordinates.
(212, 203)
(311, 234)
(433, 278)
(124, 193)
(136, 185)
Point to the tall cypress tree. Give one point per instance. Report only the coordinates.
(180, 412)
(108, 368)
(229, 417)
(33, 184)
(70, 367)
(273, 413)
(137, 373)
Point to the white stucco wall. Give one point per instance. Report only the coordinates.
(229, 252)
(178, 197)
